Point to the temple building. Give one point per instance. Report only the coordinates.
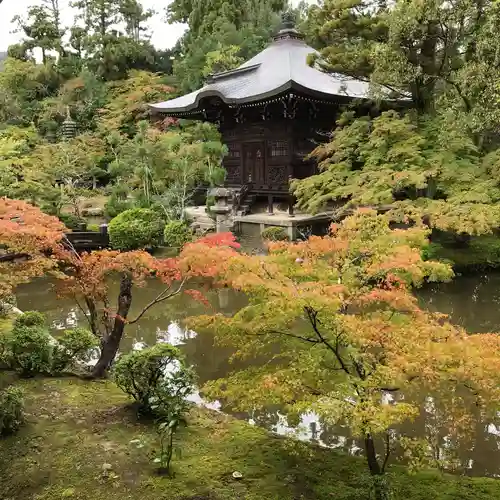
(271, 111)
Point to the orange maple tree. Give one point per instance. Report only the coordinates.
(332, 327)
(86, 280)
(28, 240)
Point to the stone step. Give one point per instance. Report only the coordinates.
(203, 220)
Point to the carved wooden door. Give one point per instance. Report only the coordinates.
(254, 163)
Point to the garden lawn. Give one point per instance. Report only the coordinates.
(76, 445)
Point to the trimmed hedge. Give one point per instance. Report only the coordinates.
(176, 234)
(135, 229)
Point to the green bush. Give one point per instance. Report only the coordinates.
(275, 233)
(30, 318)
(116, 205)
(176, 234)
(156, 377)
(136, 228)
(73, 347)
(11, 410)
(73, 222)
(94, 227)
(30, 345)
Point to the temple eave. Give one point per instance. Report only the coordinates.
(291, 89)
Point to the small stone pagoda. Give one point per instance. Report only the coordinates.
(271, 111)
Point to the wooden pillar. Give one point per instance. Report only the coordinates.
(270, 205)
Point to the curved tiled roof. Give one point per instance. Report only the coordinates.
(280, 67)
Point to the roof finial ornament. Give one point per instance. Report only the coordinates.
(287, 29)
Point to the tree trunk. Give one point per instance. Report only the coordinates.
(371, 456)
(375, 468)
(112, 342)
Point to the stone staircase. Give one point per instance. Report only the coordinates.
(246, 201)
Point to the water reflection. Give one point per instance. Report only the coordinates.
(470, 301)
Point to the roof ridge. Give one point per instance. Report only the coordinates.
(231, 72)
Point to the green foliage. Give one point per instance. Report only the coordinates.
(73, 222)
(73, 347)
(42, 29)
(162, 169)
(128, 101)
(30, 345)
(94, 228)
(440, 164)
(29, 319)
(136, 228)
(332, 324)
(167, 428)
(479, 252)
(156, 378)
(176, 234)
(84, 94)
(11, 410)
(118, 201)
(275, 233)
(413, 165)
(23, 84)
(221, 35)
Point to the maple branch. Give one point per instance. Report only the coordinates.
(456, 86)
(85, 313)
(159, 298)
(298, 337)
(313, 319)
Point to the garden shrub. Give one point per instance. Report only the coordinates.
(136, 228)
(176, 234)
(96, 228)
(156, 377)
(30, 345)
(11, 410)
(73, 222)
(5, 356)
(30, 318)
(275, 233)
(73, 347)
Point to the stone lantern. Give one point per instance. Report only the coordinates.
(222, 209)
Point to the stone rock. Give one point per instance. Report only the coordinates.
(93, 212)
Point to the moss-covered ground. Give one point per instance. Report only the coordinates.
(77, 445)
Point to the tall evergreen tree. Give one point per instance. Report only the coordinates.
(221, 35)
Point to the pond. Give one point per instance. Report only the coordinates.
(471, 301)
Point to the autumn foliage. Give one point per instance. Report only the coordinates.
(86, 281)
(346, 331)
(30, 234)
